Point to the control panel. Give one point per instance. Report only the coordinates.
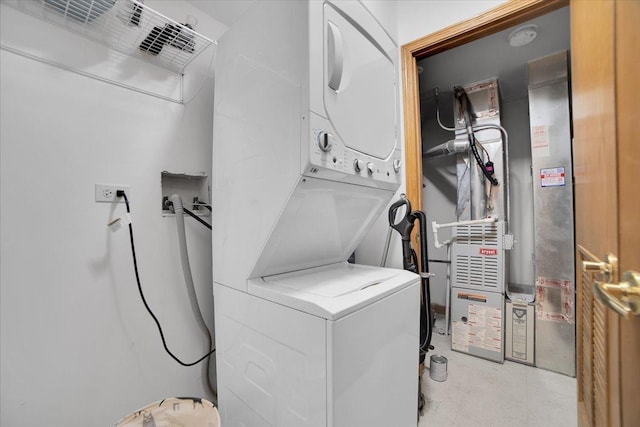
(328, 157)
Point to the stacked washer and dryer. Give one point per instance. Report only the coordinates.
(306, 158)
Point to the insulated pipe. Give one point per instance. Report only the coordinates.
(176, 200)
(453, 146)
(188, 278)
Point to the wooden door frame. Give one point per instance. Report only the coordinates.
(506, 15)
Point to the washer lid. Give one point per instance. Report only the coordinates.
(332, 291)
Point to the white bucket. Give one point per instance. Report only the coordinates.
(188, 411)
(438, 368)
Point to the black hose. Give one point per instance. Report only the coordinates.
(465, 105)
(404, 227)
(426, 286)
(410, 263)
(196, 217)
(202, 204)
(144, 300)
(169, 203)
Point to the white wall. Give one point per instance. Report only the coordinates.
(78, 348)
(418, 18)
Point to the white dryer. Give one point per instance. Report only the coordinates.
(305, 158)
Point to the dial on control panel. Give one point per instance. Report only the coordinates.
(325, 141)
(396, 165)
(370, 168)
(359, 165)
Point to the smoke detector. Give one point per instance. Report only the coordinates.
(523, 35)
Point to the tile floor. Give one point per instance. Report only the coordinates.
(481, 393)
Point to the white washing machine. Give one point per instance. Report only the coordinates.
(305, 158)
(331, 346)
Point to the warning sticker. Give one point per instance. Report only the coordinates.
(485, 327)
(552, 177)
(460, 336)
(482, 330)
(540, 140)
(555, 300)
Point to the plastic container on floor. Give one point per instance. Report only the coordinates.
(175, 411)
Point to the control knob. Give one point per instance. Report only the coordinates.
(325, 141)
(396, 165)
(370, 168)
(358, 165)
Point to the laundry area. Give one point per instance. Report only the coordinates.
(205, 218)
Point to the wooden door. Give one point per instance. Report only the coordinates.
(605, 72)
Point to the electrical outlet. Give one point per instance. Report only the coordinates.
(107, 193)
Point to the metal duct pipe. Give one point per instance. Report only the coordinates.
(453, 146)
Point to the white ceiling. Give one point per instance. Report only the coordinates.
(492, 56)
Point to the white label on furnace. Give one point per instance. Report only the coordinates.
(485, 327)
(552, 177)
(540, 141)
(460, 336)
(519, 333)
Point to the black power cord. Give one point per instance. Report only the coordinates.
(121, 193)
(465, 104)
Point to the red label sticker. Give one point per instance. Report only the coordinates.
(552, 177)
(487, 251)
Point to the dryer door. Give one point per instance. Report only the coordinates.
(359, 83)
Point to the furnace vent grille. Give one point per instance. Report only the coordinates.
(477, 271)
(479, 235)
(478, 257)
